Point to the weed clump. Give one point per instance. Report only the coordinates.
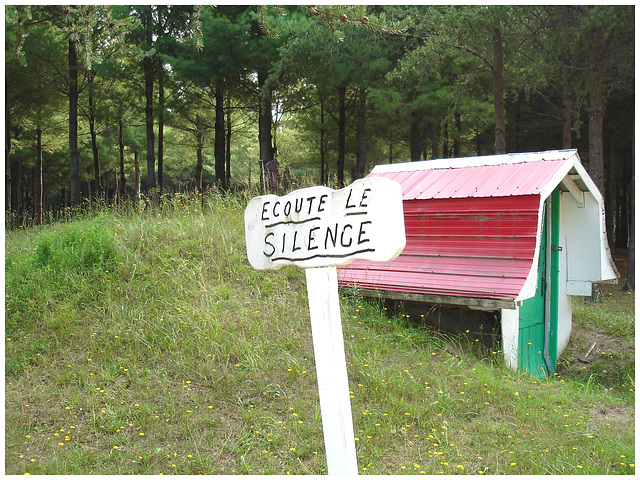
(78, 246)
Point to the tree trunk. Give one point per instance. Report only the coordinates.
(362, 141)
(610, 205)
(228, 144)
(7, 148)
(13, 170)
(434, 140)
(123, 180)
(323, 172)
(631, 268)
(199, 145)
(148, 89)
(264, 120)
(566, 112)
(148, 65)
(498, 93)
(136, 163)
(414, 136)
(94, 143)
(342, 127)
(219, 147)
(625, 205)
(37, 184)
(516, 128)
(622, 214)
(596, 110)
(24, 204)
(567, 88)
(456, 138)
(160, 179)
(116, 191)
(44, 201)
(566, 104)
(445, 140)
(74, 154)
(14, 165)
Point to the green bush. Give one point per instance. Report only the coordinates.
(78, 246)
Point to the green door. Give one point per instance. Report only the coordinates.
(531, 334)
(534, 334)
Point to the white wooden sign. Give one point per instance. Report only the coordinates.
(318, 228)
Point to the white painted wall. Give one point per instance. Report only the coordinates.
(564, 299)
(510, 325)
(588, 258)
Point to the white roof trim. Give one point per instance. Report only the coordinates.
(562, 173)
(462, 162)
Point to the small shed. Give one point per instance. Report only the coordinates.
(516, 233)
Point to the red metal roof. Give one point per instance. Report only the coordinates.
(526, 178)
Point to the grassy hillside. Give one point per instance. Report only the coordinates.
(144, 343)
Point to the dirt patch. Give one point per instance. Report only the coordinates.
(608, 354)
(602, 416)
(614, 414)
(611, 363)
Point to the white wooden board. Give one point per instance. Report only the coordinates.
(318, 226)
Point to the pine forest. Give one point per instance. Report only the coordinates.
(130, 102)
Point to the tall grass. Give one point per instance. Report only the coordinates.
(142, 342)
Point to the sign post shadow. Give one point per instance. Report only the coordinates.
(317, 229)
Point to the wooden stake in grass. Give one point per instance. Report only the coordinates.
(318, 228)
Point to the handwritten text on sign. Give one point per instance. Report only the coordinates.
(318, 226)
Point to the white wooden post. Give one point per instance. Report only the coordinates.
(318, 228)
(331, 368)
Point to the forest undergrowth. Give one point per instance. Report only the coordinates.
(142, 342)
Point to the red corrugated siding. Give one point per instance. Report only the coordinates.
(469, 247)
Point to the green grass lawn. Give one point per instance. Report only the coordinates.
(144, 343)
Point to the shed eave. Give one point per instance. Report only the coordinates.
(472, 302)
(571, 171)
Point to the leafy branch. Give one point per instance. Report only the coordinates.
(336, 16)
